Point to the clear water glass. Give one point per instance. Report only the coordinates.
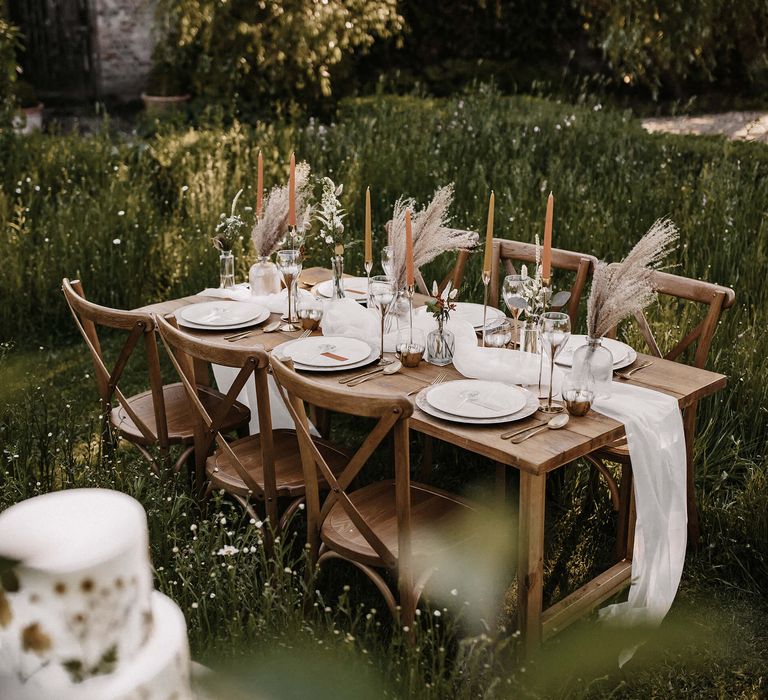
(310, 312)
(498, 333)
(410, 346)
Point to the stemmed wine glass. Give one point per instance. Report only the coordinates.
(289, 264)
(510, 290)
(381, 291)
(554, 330)
(386, 260)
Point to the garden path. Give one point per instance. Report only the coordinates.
(746, 126)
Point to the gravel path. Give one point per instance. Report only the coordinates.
(745, 126)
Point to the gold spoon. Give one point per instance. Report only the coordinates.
(392, 368)
(554, 423)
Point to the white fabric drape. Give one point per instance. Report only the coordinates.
(656, 442)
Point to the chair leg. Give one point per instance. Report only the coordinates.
(694, 530)
(625, 515)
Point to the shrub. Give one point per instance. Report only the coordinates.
(250, 53)
(9, 42)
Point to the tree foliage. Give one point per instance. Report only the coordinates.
(273, 50)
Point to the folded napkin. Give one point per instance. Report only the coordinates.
(276, 303)
(656, 442)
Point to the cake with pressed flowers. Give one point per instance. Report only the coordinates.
(79, 617)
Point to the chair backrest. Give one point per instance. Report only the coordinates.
(392, 414)
(183, 348)
(713, 296)
(455, 276)
(88, 316)
(506, 253)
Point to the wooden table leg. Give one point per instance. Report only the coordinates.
(530, 557)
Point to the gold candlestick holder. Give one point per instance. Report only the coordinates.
(368, 265)
(486, 281)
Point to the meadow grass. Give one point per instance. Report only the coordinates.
(133, 216)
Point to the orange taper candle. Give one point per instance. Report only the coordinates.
(368, 234)
(292, 192)
(489, 237)
(546, 257)
(259, 185)
(408, 249)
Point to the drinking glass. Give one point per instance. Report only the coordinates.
(410, 346)
(498, 333)
(578, 397)
(289, 264)
(386, 260)
(554, 330)
(381, 290)
(310, 312)
(511, 288)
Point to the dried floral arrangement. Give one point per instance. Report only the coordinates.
(270, 229)
(442, 303)
(623, 289)
(330, 215)
(431, 234)
(228, 228)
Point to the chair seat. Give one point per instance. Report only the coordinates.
(179, 414)
(432, 511)
(221, 470)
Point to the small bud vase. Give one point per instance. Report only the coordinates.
(592, 368)
(337, 267)
(226, 269)
(440, 345)
(264, 277)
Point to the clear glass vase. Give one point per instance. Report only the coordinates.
(226, 269)
(337, 267)
(592, 368)
(264, 277)
(440, 345)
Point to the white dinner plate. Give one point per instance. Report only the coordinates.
(328, 351)
(531, 406)
(221, 313)
(262, 316)
(623, 354)
(476, 398)
(281, 352)
(354, 288)
(469, 312)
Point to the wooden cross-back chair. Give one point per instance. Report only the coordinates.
(158, 416)
(715, 299)
(455, 276)
(378, 526)
(259, 468)
(506, 253)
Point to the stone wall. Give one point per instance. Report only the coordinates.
(122, 43)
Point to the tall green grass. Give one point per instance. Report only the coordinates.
(133, 217)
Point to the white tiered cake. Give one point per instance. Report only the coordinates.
(79, 618)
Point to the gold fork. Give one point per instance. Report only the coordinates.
(628, 374)
(439, 379)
